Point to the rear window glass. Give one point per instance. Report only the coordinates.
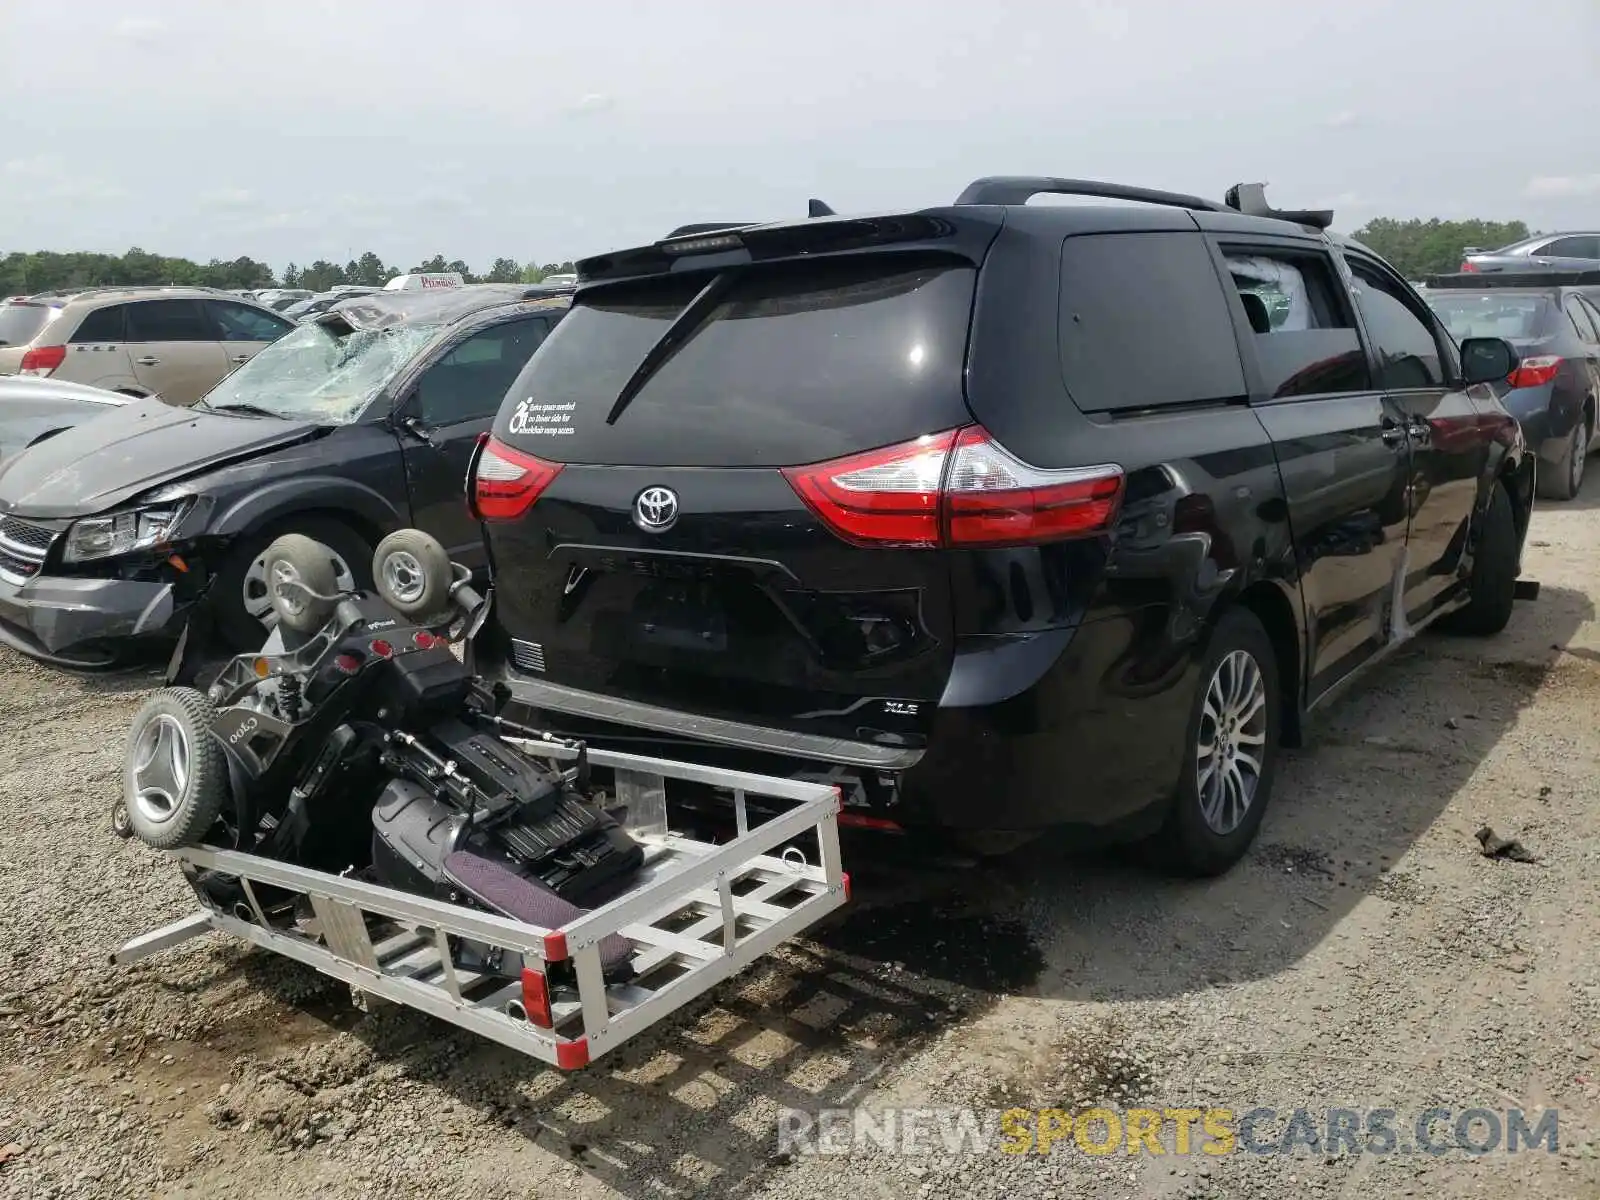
(20, 323)
(1491, 315)
(798, 362)
(1145, 322)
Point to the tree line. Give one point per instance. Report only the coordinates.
(1416, 247)
(45, 271)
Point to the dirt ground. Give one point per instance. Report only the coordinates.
(1365, 956)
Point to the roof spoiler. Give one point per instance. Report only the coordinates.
(1251, 200)
(814, 208)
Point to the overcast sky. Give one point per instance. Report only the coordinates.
(479, 128)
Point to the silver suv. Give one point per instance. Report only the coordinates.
(176, 343)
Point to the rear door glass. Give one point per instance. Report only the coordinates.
(168, 321)
(1144, 322)
(1303, 332)
(101, 325)
(799, 362)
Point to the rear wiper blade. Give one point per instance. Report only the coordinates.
(680, 331)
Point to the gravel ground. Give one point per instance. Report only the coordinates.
(1365, 956)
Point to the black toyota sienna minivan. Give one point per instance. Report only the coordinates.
(1003, 516)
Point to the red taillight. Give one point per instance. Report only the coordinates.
(957, 488)
(887, 497)
(507, 482)
(995, 498)
(41, 360)
(1467, 266)
(1531, 372)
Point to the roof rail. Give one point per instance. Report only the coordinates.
(1251, 200)
(1478, 280)
(1019, 189)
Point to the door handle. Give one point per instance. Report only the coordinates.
(1392, 434)
(149, 360)
(238, 358)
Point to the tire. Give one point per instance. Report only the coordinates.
(302, 580)
(241, 601)
(1565, 482)
(1207, 829)
(174, 775)
(1493, 586)
(412, 572)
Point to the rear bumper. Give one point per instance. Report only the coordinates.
(1094, 738)
(551, 697)
(78, 622)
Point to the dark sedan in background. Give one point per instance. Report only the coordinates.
(1553, 320)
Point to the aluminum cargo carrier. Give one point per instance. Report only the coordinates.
(696, 914)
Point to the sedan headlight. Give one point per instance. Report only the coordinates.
(124, 532)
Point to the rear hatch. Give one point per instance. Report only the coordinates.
(20, 322)
(681, 553)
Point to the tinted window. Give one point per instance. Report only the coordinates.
(798, 362)
(1573, 247)
(168, 321)
(102, 325)
(1144, 322)
(1580, 319)
(19, 323)
(1408, 355)
(241, 323)
(1305, 339)
(470, 381)
(1493, 314)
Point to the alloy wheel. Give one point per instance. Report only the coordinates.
(1230, 753)
(160, 768)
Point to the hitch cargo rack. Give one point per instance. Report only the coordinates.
(697, 914)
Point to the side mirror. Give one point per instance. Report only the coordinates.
(1487, 360)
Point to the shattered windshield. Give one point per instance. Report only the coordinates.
(321, 372)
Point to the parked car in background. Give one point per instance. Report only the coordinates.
(279, 299)
(32, 410)
(323, 301)
(1554, 391)
(175, 343)
(113, 534)
(1543, 252)
(1003, 517)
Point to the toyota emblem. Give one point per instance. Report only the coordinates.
(656, 509)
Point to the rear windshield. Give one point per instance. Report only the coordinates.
(799, 362)
(20, 323)
(1493, 315)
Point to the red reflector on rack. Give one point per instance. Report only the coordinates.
(572, 1055)
(348, 663)
(382, 649)
(536, 998)
(862, 821)
(424, 640)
